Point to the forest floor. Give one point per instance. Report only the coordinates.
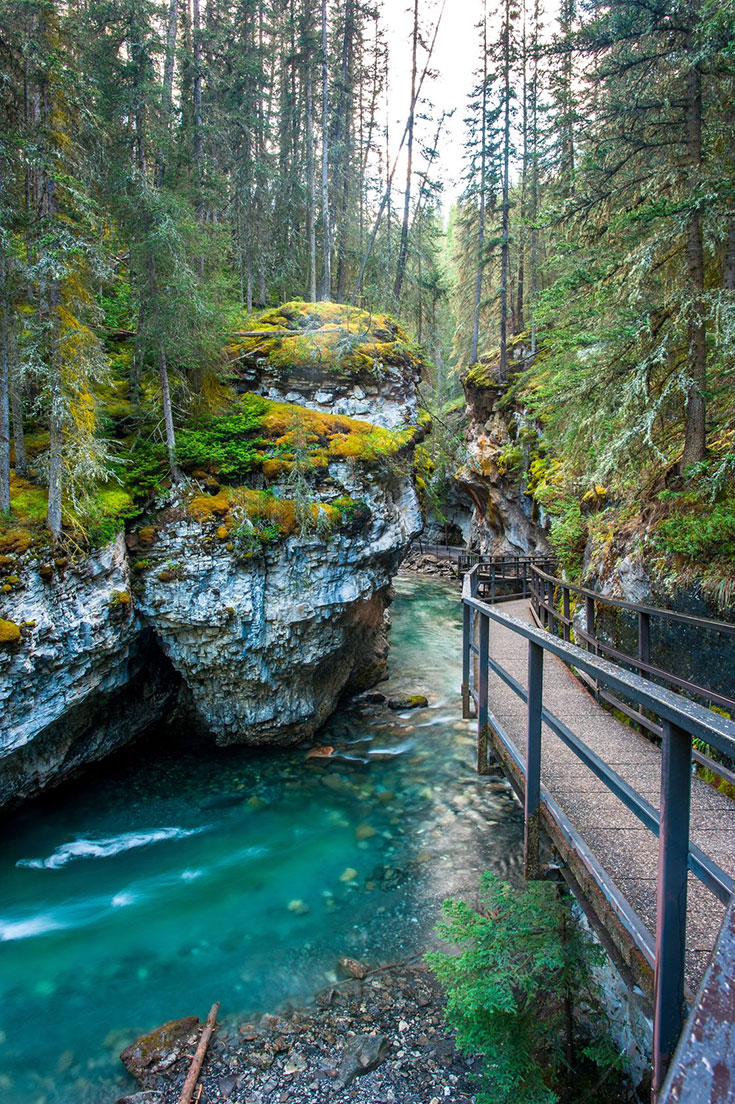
(376, 1040)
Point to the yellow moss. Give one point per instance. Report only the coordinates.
(15, 540)
(6, 562)
(9, 632)
(147, 536)
(205, 507)
(27, 500)
(6, 589)
(223, 533)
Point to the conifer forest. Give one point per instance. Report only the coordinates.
(350, 350)
(170, 170)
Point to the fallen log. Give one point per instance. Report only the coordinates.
(196, 1063)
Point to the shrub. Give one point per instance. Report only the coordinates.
(522, 967)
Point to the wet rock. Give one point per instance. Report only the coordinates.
(148, 1097)
(352, 967)
(362, 1054)
(408, 701)
(161, 1048)
(226, 1086)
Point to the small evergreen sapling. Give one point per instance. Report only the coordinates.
(523, 968)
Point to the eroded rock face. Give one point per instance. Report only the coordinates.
(504, 518)
(267, 645)
(86, 678)
(258, 645)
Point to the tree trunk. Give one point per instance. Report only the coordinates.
(170, 57)
(728, 276)
(534, 178)
(16, 407)
(56, 440)
(326, 288)
(310, 197)
(695, 439)
(481, 215)
(168, 419)
(4, 400)
(197, 97)
(403, 248)
(505, 241)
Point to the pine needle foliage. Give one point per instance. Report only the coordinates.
(522, 969)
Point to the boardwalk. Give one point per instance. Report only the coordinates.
(627, 850)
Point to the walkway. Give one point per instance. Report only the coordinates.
(627, 850)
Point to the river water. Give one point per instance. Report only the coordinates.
(174, 875)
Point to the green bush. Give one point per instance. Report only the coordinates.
(523, 969)
(568, 536)
(229, 444)
(696, 535)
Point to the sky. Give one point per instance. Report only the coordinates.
(456, 58)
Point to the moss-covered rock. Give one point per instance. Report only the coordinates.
(9, 633)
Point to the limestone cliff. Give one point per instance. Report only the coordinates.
(501, 440)
(252, 597)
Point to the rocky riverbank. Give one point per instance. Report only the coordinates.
(373, 1038)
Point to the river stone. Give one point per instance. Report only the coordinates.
(408, 701)
(159, 1049)
(362, 1054)
(142, 1098)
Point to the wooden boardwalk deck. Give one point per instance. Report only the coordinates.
(627, 850)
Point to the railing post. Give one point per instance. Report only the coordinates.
(644, 637)
(671, 904)
(531, 858)
(565, 606)
(589, 612)
(466, 657)
(492, 585)
(483, 735)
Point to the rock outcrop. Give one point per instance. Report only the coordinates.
(252, 601)
(500, 439)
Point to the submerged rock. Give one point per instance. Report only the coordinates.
(160, 1049)
(408, 701)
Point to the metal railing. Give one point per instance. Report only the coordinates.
(551, 602)
(495, 573)
(680, 719)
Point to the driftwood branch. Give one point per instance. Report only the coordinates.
(196, 1064)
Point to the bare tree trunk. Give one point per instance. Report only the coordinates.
(518, 325)
(481, 224)
(168, 419)
(534, 178)
(344, 150)
(16, 407)
(326, 288)
(386, 200)
(695, 439)
(56, 441)
(4, 397)
(403, 248)
(170, 57)
(197, 97)
(728, 275)
(310, 198)
(505, 242)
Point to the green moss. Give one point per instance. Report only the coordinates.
(9, 633)
(335, 338)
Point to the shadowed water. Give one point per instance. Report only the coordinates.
(175, 875)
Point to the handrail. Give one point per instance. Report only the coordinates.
(543, 588)
(681, 721)
(635, 607)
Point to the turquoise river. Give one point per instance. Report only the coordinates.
(176, 874)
